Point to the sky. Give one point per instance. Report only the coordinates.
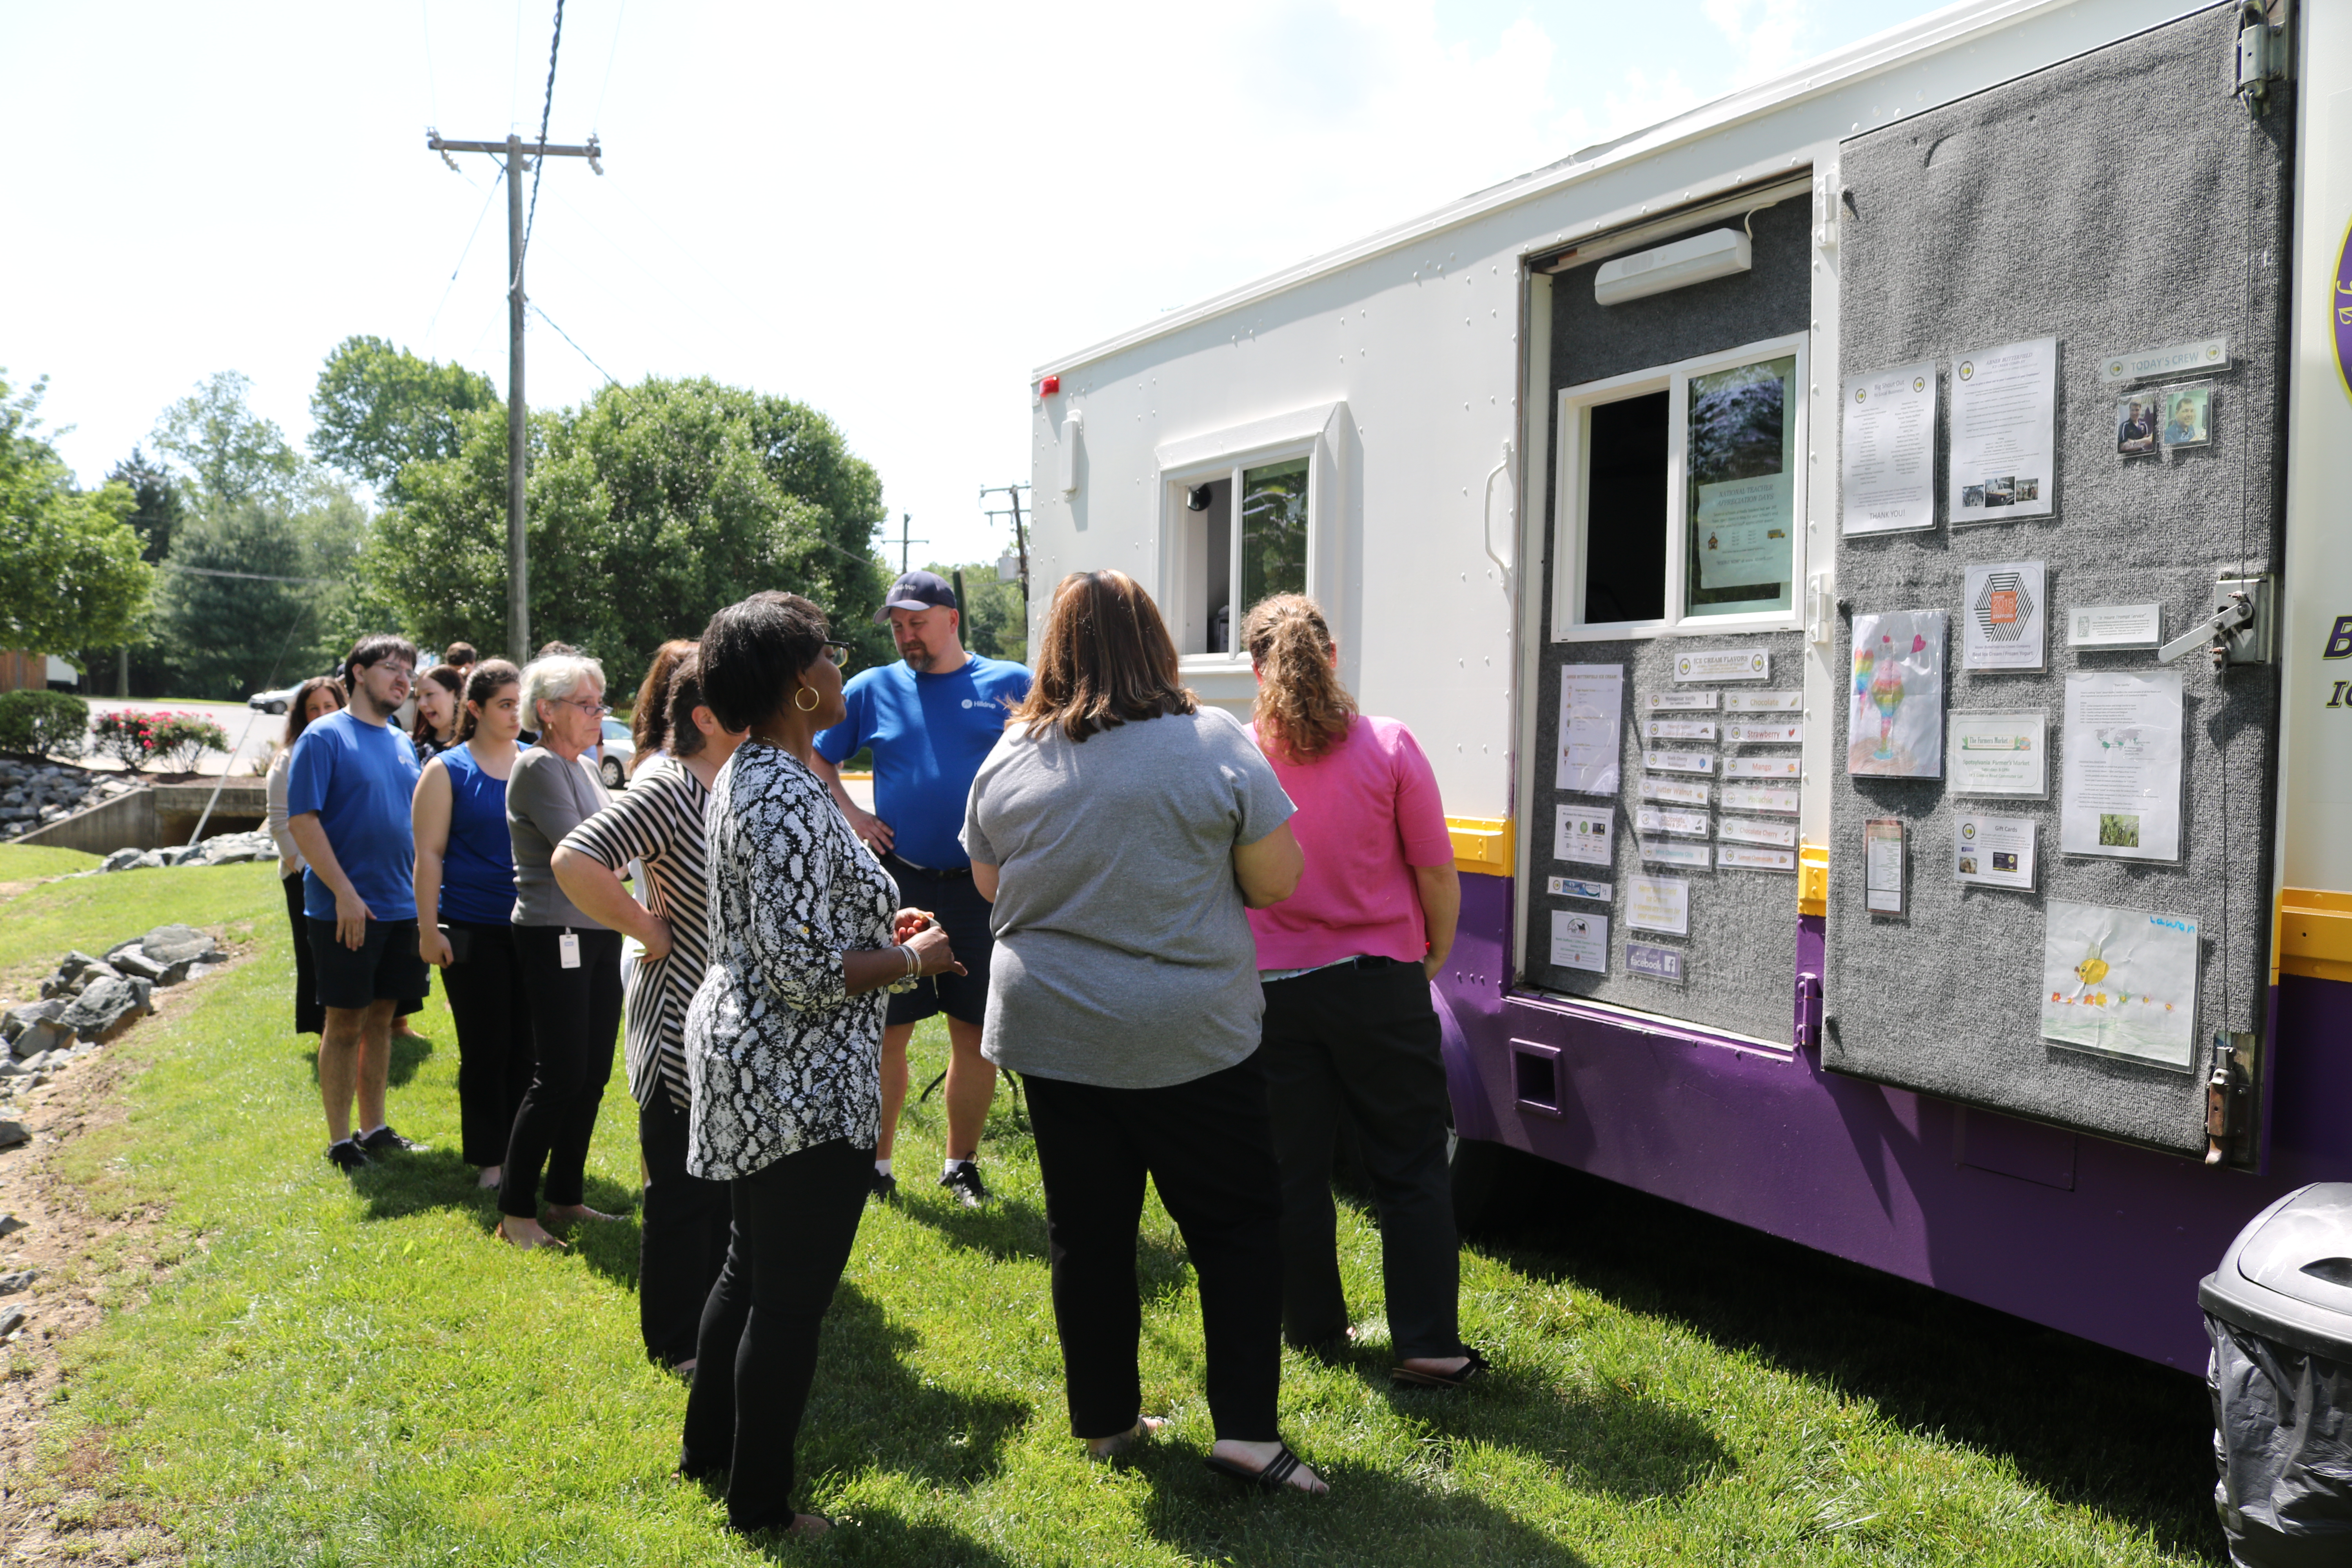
(892, 213)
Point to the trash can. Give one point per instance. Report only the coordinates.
(2279, 1311)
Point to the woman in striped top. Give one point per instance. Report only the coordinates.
(659, 822)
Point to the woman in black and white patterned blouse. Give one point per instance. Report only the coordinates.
(783, 1045)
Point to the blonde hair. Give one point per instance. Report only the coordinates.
(1302, 709)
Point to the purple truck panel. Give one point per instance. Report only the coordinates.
(2097, 1238)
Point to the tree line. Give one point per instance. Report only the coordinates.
(650, 506)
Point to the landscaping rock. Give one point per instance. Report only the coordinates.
(110, 1005)
(42, 1038)
(153, 860)
(20, 1279)
(134, 964)
(11, 1133)
(25, 1015)
(120, 860)
(11, 1320)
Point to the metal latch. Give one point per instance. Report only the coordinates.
(2226, 1086)
(2239, 631)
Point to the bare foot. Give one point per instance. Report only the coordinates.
(1146, 1427)
(525, 1235)
(572, 1213)
(1258, 1456)
(685, 1368)
(808, 1526)
(490, 1176)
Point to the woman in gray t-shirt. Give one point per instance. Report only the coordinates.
(1119, 829)
(570, 964)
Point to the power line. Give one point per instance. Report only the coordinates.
(597, 119)
(248, 576)
(583, 353)
(539, 165)
(491, 196)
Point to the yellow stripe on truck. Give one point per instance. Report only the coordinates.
(2313, 936)
(1481, 844)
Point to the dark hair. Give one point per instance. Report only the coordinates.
(374, 649)
(1106, 658)
(449, 678)
(482, 683)
(559, 650)
(461, 653)
(1302, 710)
(298, 712)
(753, 653)
(686, 737)
(649, 724)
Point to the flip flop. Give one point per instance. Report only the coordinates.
(1410, 1377)
(1273, 1476)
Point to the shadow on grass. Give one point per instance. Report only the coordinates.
(1013, 1229)
(398, 1185)
(408, 1054)
(2091, 1426)
(1372, 1516)
(867, 1409)
(885, 1538)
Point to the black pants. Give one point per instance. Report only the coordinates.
(793, 1223)
(575, 1015)
(309, 1017)
(491, 1004)
(1367, 1039)
(1207, 1147)
(683, 1245)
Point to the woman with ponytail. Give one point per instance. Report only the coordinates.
(1345, 965)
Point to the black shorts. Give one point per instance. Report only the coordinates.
(386, 968)
(965, 915)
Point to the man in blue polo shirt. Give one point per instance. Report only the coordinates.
(931, 720)
(347, 790)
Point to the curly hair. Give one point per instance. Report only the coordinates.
(1105, 659)
(649, 725)
(1302, 709)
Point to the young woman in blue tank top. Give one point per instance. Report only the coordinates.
(465, 901)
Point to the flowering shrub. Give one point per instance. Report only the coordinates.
(135, 739)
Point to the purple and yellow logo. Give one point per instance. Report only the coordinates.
(2340, 307)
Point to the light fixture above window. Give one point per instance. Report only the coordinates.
(1718, 253)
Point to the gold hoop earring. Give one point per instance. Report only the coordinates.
(811, 705)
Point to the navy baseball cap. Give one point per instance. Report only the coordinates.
(916, 591)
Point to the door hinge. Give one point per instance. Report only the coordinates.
(2260, 52)
(1808, 1010)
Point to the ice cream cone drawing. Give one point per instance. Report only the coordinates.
(1886, 696)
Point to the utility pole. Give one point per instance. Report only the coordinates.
(517, 154)
(906, 521)
(1012, 494)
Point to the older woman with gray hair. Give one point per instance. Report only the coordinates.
(571, 963)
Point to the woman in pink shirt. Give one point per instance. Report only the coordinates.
(1344, 964)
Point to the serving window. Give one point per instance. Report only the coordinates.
(1683, 498)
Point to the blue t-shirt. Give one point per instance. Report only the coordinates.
(478, 868)
(358, 777)
(929, 734)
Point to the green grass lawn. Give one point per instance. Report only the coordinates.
(23, 862)
(356, 1372)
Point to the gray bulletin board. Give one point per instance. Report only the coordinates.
(2121, 201)
(1742, 945)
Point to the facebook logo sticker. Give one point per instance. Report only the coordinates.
(1657, 962)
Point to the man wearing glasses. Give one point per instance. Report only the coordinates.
(931, 720)
(347, 797)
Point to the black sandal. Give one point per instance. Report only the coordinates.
(1410, 1377)
(1274, 1475)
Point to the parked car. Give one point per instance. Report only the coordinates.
(616, 754)
(281, 698)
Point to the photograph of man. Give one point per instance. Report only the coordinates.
(2187, 421)
(2135, 428)
(931, 718)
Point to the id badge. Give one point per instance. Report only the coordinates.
(567, 949)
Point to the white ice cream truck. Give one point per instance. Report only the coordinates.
(1866, 560)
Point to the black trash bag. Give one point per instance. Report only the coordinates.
(2282, 1440)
